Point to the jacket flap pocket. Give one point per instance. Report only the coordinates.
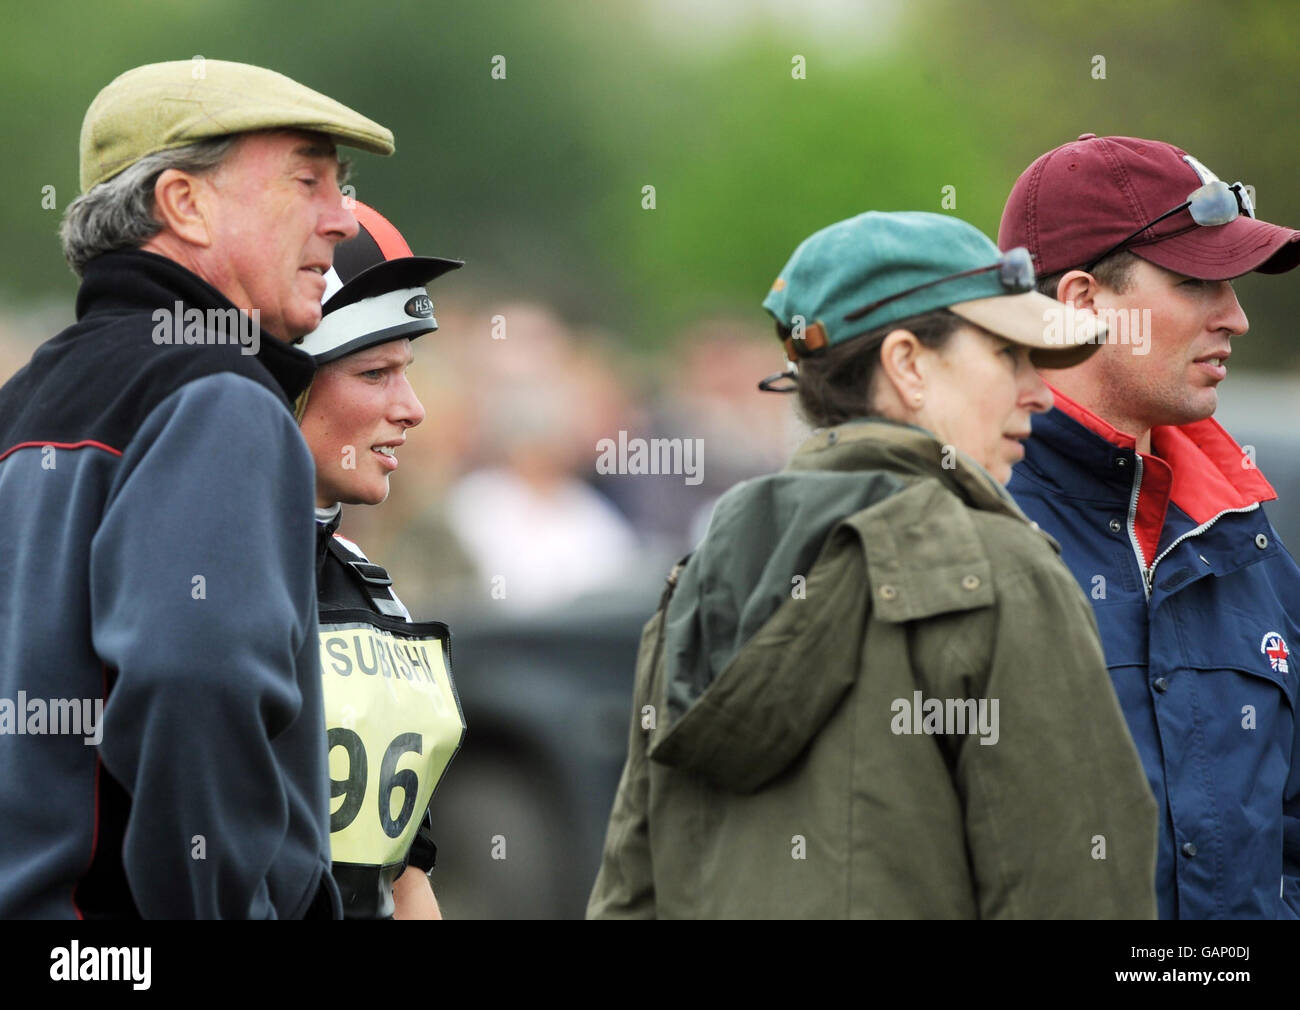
(1123, 626)
(1248, 643)
(923, 555)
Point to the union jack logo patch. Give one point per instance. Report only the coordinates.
(1275, 649)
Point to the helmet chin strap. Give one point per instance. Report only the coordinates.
(300, 404)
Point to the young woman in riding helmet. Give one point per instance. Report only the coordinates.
(392, 715)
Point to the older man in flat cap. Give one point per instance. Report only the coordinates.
(160, 694)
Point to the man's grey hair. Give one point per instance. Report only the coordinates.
(118, 213)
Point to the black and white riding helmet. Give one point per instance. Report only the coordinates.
(374, 292)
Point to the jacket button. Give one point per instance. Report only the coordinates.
(1161, 684)
(1261, 541)
(1115, 525)
(970, 582)
(888, 592)
(1121, 461)
(1189, 849)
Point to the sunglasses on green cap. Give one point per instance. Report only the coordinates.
(904, 264)
(1015, 270)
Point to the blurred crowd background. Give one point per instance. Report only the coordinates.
(756, 122)
(499, 497)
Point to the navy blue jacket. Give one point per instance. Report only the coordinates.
(1197, 602)
(155, 563)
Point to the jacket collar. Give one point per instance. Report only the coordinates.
(1207, 475)
(327, 524)
(132, 280)
(877, 443)
(1198, 467)
(330, 518)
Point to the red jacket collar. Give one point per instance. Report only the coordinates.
(1197, 466)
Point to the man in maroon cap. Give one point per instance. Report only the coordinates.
(1159, 512)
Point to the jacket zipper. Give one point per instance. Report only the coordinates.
(1149, 574)
(1200, 529)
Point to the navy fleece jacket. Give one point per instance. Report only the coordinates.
(153, 557)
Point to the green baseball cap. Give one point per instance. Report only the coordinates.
(164, 105)
(859, 275)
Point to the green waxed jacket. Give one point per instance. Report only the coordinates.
(786, 758)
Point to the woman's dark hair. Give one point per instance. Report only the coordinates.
(835, 385)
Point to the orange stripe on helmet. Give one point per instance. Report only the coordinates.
(389, 239)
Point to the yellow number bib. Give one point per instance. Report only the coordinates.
(394, 723)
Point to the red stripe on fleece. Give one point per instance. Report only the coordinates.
(1197, 466)
(84, 444)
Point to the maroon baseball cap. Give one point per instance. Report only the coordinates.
(1075, 202)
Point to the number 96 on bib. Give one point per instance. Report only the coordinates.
(393, 726)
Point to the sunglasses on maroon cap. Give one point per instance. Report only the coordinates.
(1213, 204)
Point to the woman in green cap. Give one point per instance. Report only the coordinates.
(874, 690)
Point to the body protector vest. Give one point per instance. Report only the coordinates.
(393, 722)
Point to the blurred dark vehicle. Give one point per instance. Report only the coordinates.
(1263, 415)
(521, 815)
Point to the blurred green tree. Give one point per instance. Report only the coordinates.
(537, 178)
